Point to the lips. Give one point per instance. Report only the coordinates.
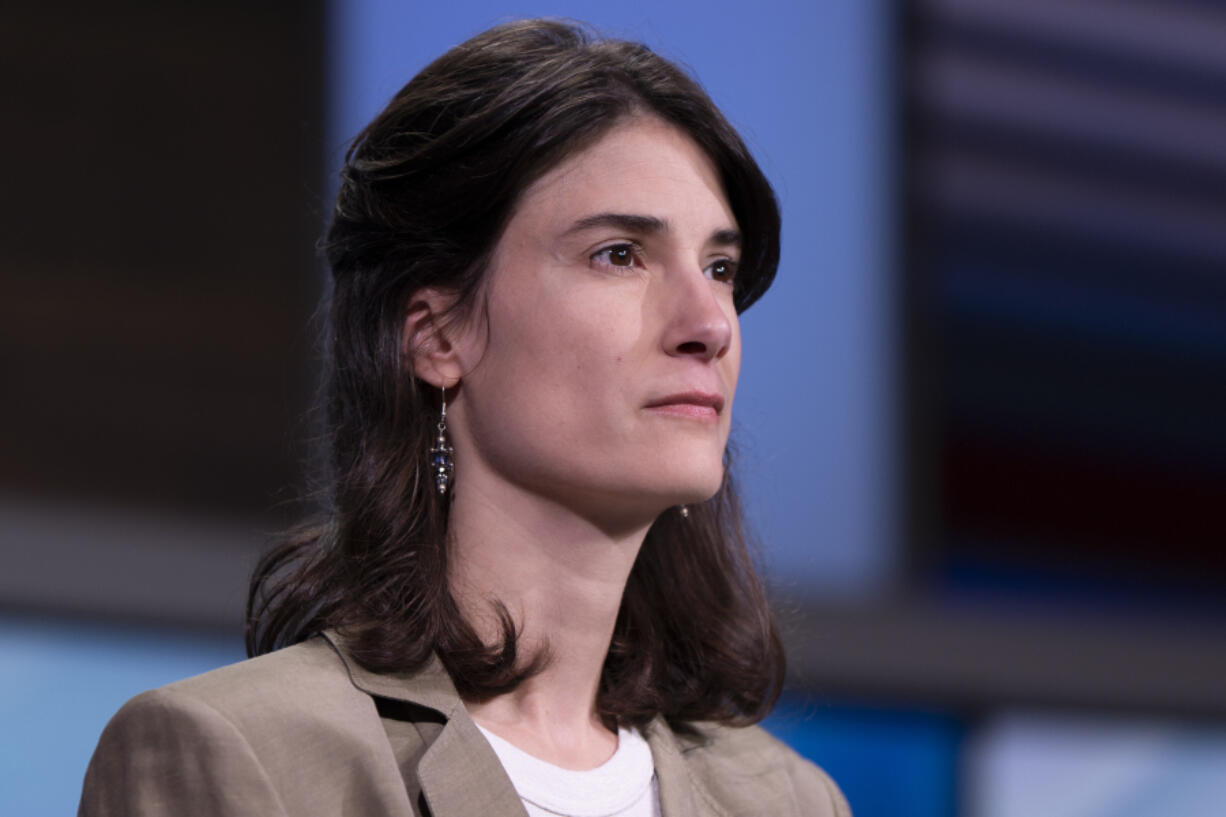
(689, 404)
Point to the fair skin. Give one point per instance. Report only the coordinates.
(592, 392)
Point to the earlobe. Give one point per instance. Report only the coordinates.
(425, 346)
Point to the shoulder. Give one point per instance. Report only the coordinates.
(268, 685)
(263, 736)
(288, 694)
(751, 771)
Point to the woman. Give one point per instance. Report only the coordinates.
(530, 590)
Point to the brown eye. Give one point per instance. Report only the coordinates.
(722, 270)
(623, 256)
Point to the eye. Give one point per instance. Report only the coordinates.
(722, 269)
(624, 256)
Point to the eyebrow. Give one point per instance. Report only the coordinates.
(648, 225)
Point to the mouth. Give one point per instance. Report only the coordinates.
(696, 404)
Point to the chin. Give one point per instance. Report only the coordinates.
(696, 487)
(683, 477)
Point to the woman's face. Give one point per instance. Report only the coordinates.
(604, 375)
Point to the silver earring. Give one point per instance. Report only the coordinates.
(685, 511)
(440, 455)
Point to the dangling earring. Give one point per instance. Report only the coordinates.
(685, 511)
(440, 455)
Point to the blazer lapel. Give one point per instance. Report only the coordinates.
(459, 774)
(681, 793)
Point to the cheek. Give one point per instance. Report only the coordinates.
(544, 359)
(568, 331)
(561, 349)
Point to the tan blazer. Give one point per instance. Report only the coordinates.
(306, 731)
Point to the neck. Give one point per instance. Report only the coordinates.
(561, 577)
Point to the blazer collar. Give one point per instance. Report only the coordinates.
(461, 755)
(429, 686)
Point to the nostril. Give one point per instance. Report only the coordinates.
(692, 347)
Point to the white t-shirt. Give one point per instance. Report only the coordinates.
(623, 786)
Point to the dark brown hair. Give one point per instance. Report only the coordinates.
(425, 193)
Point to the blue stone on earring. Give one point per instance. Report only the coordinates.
(441, 462)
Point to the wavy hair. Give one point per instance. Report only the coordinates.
(426, 191)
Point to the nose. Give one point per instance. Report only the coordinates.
(700, 322)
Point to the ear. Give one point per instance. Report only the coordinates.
(426, 346)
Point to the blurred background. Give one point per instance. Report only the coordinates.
(982, 415)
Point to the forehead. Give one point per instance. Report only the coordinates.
(644, 166)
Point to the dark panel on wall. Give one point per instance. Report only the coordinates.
(1066, 245)
(160, 163)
